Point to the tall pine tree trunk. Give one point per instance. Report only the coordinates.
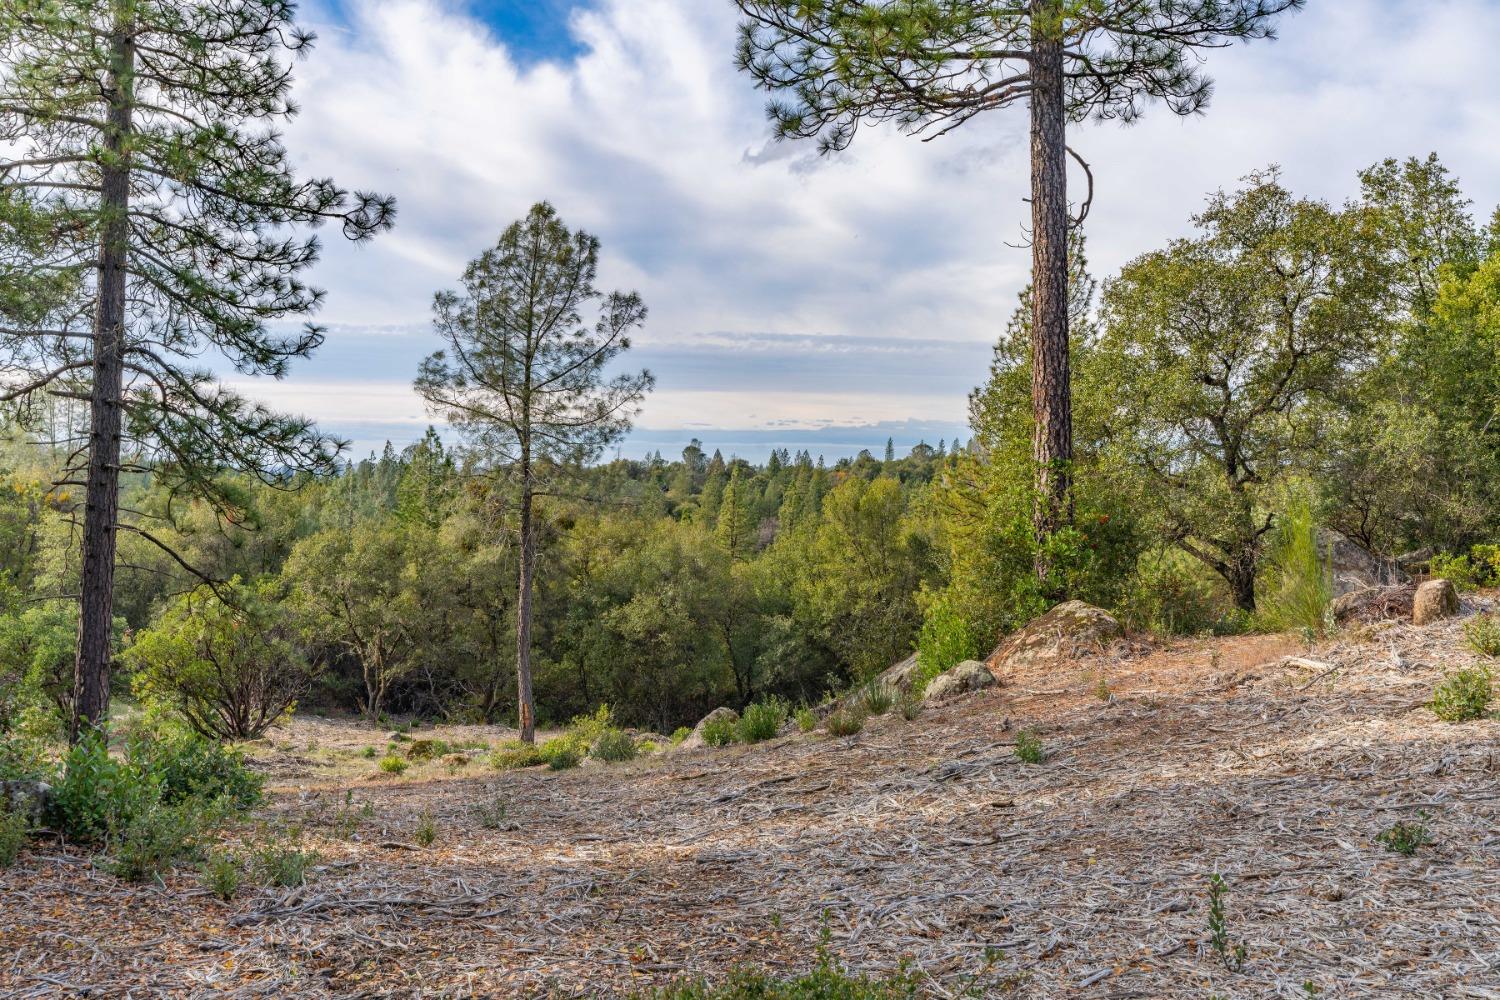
(101, 509)
(525, 708)
(1051, 392)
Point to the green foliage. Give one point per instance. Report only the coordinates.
(1171, 593)
(282, 862)
(1230, 953)
(96, 794)
(613, 745)
(721, 731)
(1029, 747)
(1464, 696)
(514, 755)
(944, 641)
(14, 828)
(846, 721)
(762, 720)
(1474, 569)
(807, 719)
(425, 833)
(909, 703)
(1483, 634)
(187, 766)
(392, 764)
(493, 813)
(154, 838)
(427, 749)
(681, 733)
(876, 698)
(1298, 589)
(221, 873)
(1406, 837)
(561, 754)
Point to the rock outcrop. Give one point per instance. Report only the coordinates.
(961, 679)
(1353, 568)
(1071, 629)
(695, 738)
(28, 798)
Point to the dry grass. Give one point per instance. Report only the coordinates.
(924, 840)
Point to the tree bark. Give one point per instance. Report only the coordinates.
(1051, 392)
(101, 508)
(525, 707)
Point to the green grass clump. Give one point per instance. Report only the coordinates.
(222, 874)
(391, 764)
(1405, 838)
(909, 704)
(1029, 747)
(515, 754)
(282, 863)
(614, 746)
(369, 753)
(426, 832)
(721, 732)
(846, 721)
(877, 698)
(1298, 592)
(493, 814)
(762, 720)
(1483, 633)
(680, 733)
(1464, 696)
(561, 754)
(14, 828)
(807, 719)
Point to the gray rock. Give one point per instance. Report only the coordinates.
(1071, 629)
(1435, 600)
(1352, 567)
(968, 676)
(29, 798)
(695, 739)
(898, 677)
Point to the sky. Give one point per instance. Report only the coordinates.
(796, 301)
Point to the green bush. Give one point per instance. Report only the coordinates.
(96, 794)
(613, 745)
(425, 833)
(283, 863)
(846, 721)
(493, 813)
(762, 720)
(876, 698)
(1483, 633)
(1405, 838)
(721, 732)
(369, 753)
(14, 828)
(1171, 593)
(944, 641)
(807, 719)
(157, 837)
(561, 754)
(427, 749)
(515, 754)
(1464, 696)
(189, 766)
(1297, 587)
(392, 764)
(1029, 747)
(221, 873)
(680, 733)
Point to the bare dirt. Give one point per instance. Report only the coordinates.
(926, 841)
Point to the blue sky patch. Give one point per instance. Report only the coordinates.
(533, 30)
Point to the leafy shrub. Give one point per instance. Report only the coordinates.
(561, 754)
(1479, 567)
(1171, 593)
(876, 698)
(762, 720)
(283, 863)
(392, 764)
(1029, 747)
(1232, 954)
(221, 873)
(1483, 633)
(944, 641)
(680, 733)
(515, 754)
(1464, 696)
(14, 828)
(96, 794)
(156, 838)
(1298, 590)
(846, 721)
(230, 672)
(721, 732)
(1405, 838)
(649, 746)
(425, 833)
(189, 766)
(807, 719)
(613, 745)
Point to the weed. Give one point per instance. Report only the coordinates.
(391, 764)
(158, 837)
(1029, 747)
(807, 719)
(1102, 690)
(762, 720)
(909, 704)
(1464, 696)
(426, 832)
(14, 827)
(1407, 837)
(346, 818)
(221, 873)
(613, 745)
(1483, 633)
(877, 698)
(721, 732)
(369, 753)
(1231, 953)
(492, 814)
(846, 721)
(283, 863)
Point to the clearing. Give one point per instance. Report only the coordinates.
(1083, 876)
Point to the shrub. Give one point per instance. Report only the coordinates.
(283, 863)
(189, 766)
(157, 837)
(221, 874)
(561, 754)
(492, 814)
(392, 764)
(1029, 747)
(876, 698)
(762, 720)
(846, 721)
(1298, 590)
(229, 672)
(1459, 570)
(649, 746)
(1483, 633)
(427, 749)
(426, 832)
(1405, 838)
(613, 745)
(1171, 593)
(509, 756)
(14, 827)
(97, 794)
(1464, 696)
(680, 733)
(369, 753)
(807, 719)
(721, 732)
(944, 641)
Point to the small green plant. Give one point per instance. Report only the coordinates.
(493, 814)
(1311, 989)
(1029, 747)
(221, 873)
(807, 719)
(679, 734)
(1101, 688)
(762, 720)
(14, 828)
(561, 754)
(1464, 696)
(369, 753)
(909, 704)
(1406, 837)
(1299, 587)
(1483, 633)
(649, 746)
(426, 832)
(427, 749)
(158, 837)
(614, 746)
(876, 698)
(1230, 953)
(846, 721)
(721, 731)
(391, 764)
(283, 863)
(515, 754)
(346, 818)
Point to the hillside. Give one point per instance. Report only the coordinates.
(1085, 875)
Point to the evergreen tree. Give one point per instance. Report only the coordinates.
(890, 449)
(523, 376)
(145, 212)
(735, 529)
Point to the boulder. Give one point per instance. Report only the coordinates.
(1068, 630)
(1416, 560)
(695, 738)
(1352, 567)
(970, 675)
(29, 798)
(898, 677)
(1435, 600)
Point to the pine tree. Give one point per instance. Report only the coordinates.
(890, 449)
(145, 209)
(523, 376)
(735, 529)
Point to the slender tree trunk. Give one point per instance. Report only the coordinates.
(101, 508)
(1051, 392)
(525, 708)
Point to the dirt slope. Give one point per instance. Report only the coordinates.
(1083, 876)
